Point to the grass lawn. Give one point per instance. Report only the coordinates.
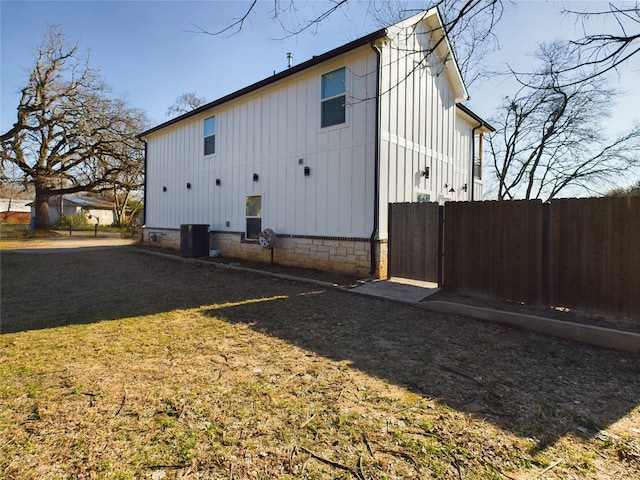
(119, 364)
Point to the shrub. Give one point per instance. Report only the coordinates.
(76, 221)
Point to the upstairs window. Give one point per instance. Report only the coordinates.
(210, 136)
(333, 92)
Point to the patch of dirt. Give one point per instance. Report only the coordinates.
(349, 281)
(119, 364)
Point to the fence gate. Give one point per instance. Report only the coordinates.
(415, 246)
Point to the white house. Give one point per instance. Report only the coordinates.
(96, 210)
(317, 152)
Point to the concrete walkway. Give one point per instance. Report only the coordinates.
(399, 289)
(62, 244)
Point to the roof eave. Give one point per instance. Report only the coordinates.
(316, 60)
(454, 74)
(485, 126)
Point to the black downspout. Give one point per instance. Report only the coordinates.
(144, 198)
(376, 171)
(473, 159)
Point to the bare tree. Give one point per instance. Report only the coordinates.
(127, 184)
(12, 185)
(69, 136)
(550, 133)
(599, 53)
(468, 24)
(185, 103)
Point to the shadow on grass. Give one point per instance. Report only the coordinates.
(529, 384)
(532, 385)
(83, 286)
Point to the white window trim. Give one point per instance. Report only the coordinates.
(215, 135)
(246, 217)
(347, 110)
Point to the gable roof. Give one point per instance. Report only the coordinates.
(83, 202)
(442, 46)
(431, 17)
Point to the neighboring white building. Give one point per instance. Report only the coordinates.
(94, 209)
(14, 205)
(317, 152)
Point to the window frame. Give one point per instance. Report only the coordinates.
(209, 136)
(423, 197)
(332, 98)
(252, 217)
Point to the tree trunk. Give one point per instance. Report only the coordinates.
(41, 206)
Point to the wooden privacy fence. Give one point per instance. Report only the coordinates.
(577, 253)
(415, 241)
(494, 248)
(594, 255)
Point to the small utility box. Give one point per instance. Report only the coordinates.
(194, 240)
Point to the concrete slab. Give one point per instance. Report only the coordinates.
(399, 289)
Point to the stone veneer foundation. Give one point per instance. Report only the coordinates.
(345, 255)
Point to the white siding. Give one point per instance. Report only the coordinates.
(419, 125)
(267, 132)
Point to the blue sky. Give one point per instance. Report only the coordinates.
(144, 50)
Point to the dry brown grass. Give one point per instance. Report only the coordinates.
(118, 364)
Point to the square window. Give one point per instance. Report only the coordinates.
(333, 97)
(210, 135)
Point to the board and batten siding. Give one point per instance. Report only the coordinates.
(266, 133)
(419, 126)
(463, 164)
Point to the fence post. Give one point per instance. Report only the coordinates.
(544, 271)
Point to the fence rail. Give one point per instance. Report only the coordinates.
(577, 253)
